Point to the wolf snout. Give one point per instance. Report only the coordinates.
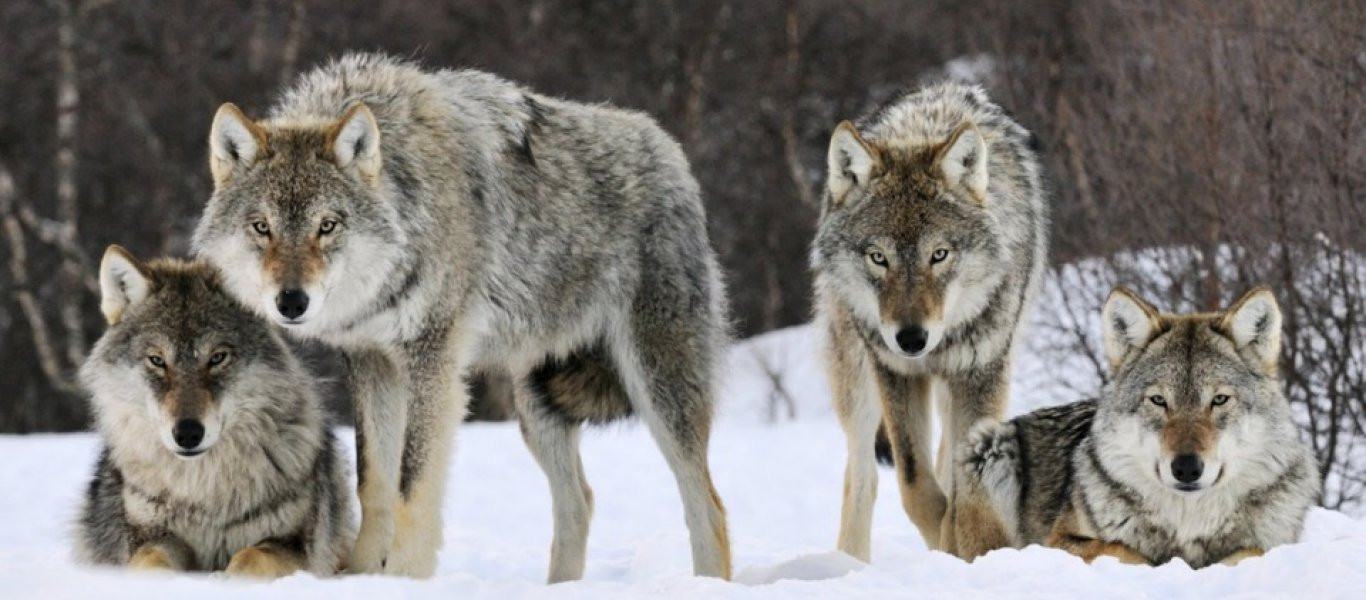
(188, 433)
(1187, 468)
(292, 303)
(912, 339)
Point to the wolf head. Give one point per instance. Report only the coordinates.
(1195, 400)
(905, 236)
(182, 361)
(296, 221)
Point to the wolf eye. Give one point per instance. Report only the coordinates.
(217, 358)
(327, 226)
(1220, 399)
(261, 227)
(1157, 399)
(156, 361)
(939, 255)
(877, 257)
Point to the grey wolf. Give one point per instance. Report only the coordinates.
(433, 223)
(217, 455)
(1189, 452)
(930, 246)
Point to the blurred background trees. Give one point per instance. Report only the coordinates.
(1224, 138)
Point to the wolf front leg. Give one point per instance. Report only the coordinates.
(848, 367)
(906, 413)
(437, 401)
(1072, 533)
(380, 399)
(971, 527)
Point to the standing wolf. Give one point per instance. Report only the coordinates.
(430, 223)
(930, 247)
(1189, 453)
(217, 455)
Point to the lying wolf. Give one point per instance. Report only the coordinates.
(1189, 453)
(217, 455)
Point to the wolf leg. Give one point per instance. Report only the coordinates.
(859, 413)
(906, 410)
(970, 527)
(672, 391)
(267, 560)
(554, 442)
(438, 400)
(381, 410)
(1069, 533)
(166, 554)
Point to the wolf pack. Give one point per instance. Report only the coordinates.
(432, 224)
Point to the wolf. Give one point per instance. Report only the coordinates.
(1189, 452)
(931, 241)
(434, 223)
(217, 455)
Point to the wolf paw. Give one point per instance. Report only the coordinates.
(259, 562)
(369, 556)
(1242, 555)
(151, 558)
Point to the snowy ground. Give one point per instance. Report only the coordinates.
(781, 485)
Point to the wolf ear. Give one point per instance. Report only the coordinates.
(851, 162)
(962, 160)
(234, 142)
(1254, 322)
(1128, 323)
(123, 283)
(354, 142)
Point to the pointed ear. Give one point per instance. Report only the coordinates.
(1127, 324)
(1254, 322)
(354, 142)
(851, 161)
(962, 160)
(123, 283)
(235, 142)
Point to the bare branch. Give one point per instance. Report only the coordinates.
(49, 360)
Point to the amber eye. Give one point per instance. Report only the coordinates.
(1157, 399)
(261, 228)
(156, 361)
(1220, 400)
(327, 226)
(877, 257)
(939, 255)
(218, 358)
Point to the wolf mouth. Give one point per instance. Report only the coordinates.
(190, 453)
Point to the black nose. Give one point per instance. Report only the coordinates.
(1187, 468)
(912, 339)
(292, 303)
(188, 433)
